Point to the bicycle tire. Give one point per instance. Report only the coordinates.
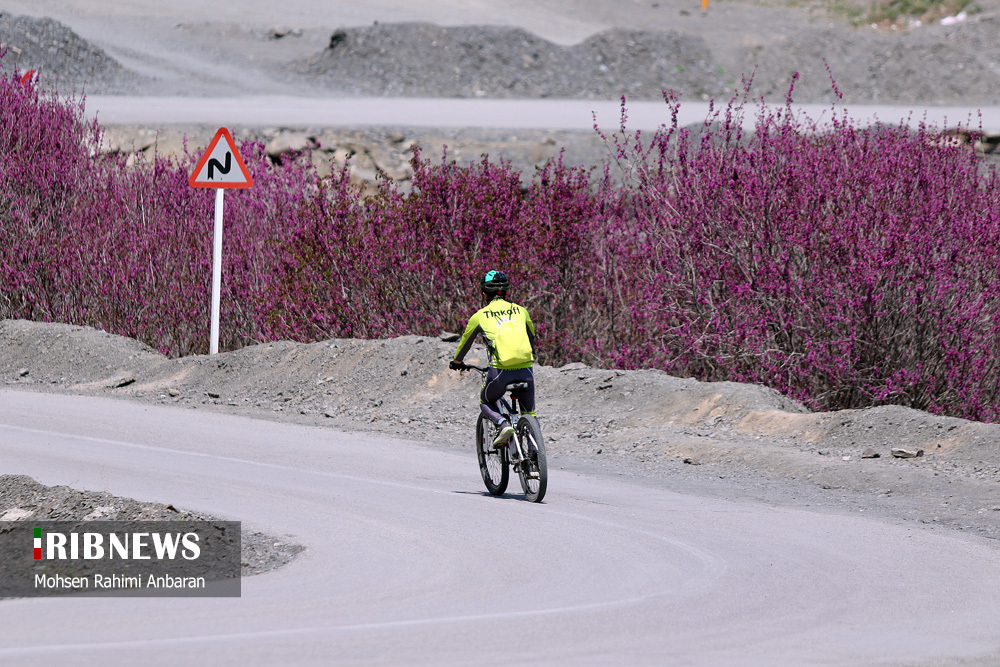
(530, 432)
(492, 462)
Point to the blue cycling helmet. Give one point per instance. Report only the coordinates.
(494, 282)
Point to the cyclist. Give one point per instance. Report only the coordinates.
(510, 341)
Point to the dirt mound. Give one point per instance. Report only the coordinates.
(923, 65)
(402, 386)
(80, 354)
(425, 60)
(399, 381)
(62, 58)
(22, 498)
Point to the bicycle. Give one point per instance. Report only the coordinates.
(529, 463)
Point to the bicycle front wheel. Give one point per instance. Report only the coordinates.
(492, 462)
(533, 471)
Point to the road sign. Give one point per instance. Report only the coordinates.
(221, 166)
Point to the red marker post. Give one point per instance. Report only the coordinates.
(221, 167)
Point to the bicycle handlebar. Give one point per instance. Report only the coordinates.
(467, 367)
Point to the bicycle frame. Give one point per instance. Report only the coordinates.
(510, 411)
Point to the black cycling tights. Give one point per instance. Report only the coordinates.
(496, 385)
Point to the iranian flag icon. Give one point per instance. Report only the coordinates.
(38, 543)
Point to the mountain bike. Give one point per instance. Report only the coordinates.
(526, 446)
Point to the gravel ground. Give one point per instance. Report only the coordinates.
(722, 439)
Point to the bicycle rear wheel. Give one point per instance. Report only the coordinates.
(492, 462)
(534, 472)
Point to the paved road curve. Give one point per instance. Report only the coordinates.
(283, 111)
(408, 562)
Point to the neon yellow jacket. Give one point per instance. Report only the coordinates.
(507, 331)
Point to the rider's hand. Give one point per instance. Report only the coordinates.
(455, 365)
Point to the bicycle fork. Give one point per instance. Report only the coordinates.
(520, 452)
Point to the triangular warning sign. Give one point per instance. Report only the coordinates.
(221, 166)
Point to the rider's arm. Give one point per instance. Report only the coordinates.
(471, 330)
(531, 331)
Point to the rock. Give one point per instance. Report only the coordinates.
(120, 382)
(336, 39)
(168, 146)
(901, 453)
(278, 31)
(173, 392)
(16, 514)
(449, 337)
(870, 454)
(213, 394)
(575, 366)
(692, 462)
(102, 512)
(22, 373)
(289, 143)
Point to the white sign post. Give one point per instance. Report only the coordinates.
(215, 170)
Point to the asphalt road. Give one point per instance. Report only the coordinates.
(288, 111)
(408, 561)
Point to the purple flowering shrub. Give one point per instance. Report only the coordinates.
(44, 159)
(844, 267)
(409, 262)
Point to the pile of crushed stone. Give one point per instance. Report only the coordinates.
(22, 498)
(63, 59)
(934, 64)
(425, 60)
